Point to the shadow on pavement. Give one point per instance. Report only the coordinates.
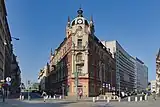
(17, 103)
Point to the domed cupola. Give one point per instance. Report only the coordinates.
(79, 20)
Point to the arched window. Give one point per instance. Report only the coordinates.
(86, 22)
(73, 23)
(79, 57)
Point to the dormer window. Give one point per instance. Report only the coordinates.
(73, 23)
(86, 23)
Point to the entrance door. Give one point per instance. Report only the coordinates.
(80, 89)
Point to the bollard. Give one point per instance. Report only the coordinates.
(114, 97)
(54, 97)
(104, 97)
(119, 100)
(107, 99)
(136, 99)
(97, 98)
(129, 99)
(50, 97)
(145, 97)
(94, 99)
(20, 97)
(140, 98)
(60, 97)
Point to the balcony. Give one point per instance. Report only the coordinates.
(79, 48)
(80, 75)
(79, 62)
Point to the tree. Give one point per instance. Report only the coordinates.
(35, 86)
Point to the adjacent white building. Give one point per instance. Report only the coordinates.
(153, 85)
(125, 66)
(141, 75)
(42, 78)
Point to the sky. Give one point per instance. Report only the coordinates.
(40, 25)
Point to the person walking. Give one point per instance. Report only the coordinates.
(44, 96)
(154, 95)
(80, 94)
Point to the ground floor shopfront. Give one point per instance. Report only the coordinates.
(88, 87)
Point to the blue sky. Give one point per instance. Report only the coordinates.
(40, 25)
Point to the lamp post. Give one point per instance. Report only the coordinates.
(5, 44)
(76, 79)
(75, 71)
(63, 86)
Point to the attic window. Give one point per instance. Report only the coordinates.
(73, 23)
(86, 22)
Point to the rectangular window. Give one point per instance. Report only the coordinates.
(79, 69)
(79, 43)
(79, 57)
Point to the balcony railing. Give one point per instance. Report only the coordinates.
(81, 74)
(80, 62)
(79, 48)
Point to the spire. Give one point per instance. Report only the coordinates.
(68, 24)
(51, 52)
(158, 55)
(68, 19)
(80, 12)
(91, 18)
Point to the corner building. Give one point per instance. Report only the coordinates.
(82, 52)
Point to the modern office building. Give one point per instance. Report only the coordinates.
(141, 75)
(81, 62)
(125, 66)
(158, 73)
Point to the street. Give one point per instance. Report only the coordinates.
(61, 103)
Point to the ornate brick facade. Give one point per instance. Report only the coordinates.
(81, 55)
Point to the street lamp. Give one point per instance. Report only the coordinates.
(15, 38)
(5, 44)
(63, 86)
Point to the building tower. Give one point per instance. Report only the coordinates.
(158, 73)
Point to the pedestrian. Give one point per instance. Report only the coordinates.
(44, 96)
(80, 94)
(154, 95)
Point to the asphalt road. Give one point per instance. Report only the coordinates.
(53, 103)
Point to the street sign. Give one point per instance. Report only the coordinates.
(8, 79)
(8, 83)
